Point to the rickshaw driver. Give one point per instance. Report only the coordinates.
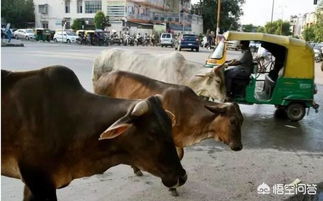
(241, 68)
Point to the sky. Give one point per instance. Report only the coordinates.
(258, 12)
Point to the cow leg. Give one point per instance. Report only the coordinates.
(38, 186)
(137, 171)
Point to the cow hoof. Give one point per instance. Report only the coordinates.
(139, 173)
(174, 192)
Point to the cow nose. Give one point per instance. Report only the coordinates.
(236, 148)
(182, 179)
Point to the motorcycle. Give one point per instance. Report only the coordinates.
(139, 40)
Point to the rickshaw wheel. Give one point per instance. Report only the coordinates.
(295, 111)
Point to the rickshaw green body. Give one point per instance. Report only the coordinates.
(286, 91)
(43, 34)
(296, 82)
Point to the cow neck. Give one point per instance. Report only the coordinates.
(192, 126)
(99, 113)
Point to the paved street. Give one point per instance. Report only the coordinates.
(275, 151)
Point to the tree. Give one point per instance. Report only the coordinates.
(318, 27)
(308, 34)
(99, 20)
(278, 27)
(261, 29)
(20, 13)
(78, 24)
(315, 32)
(229, 16)
(249, 28)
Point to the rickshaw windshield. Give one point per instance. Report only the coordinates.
(219, 51)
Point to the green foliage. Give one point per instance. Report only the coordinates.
(78, 24)
(318, 27)
(261, 29)
(229, 15)
(249, 28)
(314, 33)
(308, 34)
(99, 20)
(20, 13)
(277, 27)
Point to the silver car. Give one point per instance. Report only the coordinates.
(24, 34)
(166, 39)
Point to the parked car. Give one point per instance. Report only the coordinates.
(24, 34)
(166, 39)
(188, 41)
(65, 37)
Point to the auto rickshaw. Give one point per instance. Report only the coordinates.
(288, 82)
(89, 36)
(43, 34)
(81, 37)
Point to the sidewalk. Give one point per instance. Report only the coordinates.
(13, 43)
(318, 73)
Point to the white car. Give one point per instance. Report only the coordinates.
(24, 34)
(65, 37)
(166, 39)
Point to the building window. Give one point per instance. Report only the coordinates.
(79, 6)
(67, 6)
(116, 11)
(44, 24)
(93, 6)
(43, 9)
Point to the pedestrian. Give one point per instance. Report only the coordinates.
(8, 32)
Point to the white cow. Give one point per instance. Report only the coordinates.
(171, 68)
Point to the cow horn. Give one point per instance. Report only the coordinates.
(140, 108)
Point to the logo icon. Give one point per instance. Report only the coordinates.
(263, 189)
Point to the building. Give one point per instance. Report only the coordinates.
(137, 15)
(300, 22)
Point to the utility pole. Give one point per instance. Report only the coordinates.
(218, 19)
(272, 11)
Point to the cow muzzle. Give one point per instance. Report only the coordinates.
(176, 181)
(236, 147)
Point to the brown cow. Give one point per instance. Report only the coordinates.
(196, 119)
(54, 131)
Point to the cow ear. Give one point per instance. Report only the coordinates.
(114, 131)
(218, 108)
(172, 117)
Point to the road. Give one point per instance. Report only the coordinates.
(275, 151)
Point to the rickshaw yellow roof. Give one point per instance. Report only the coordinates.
(271, 38)
(300, 57)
